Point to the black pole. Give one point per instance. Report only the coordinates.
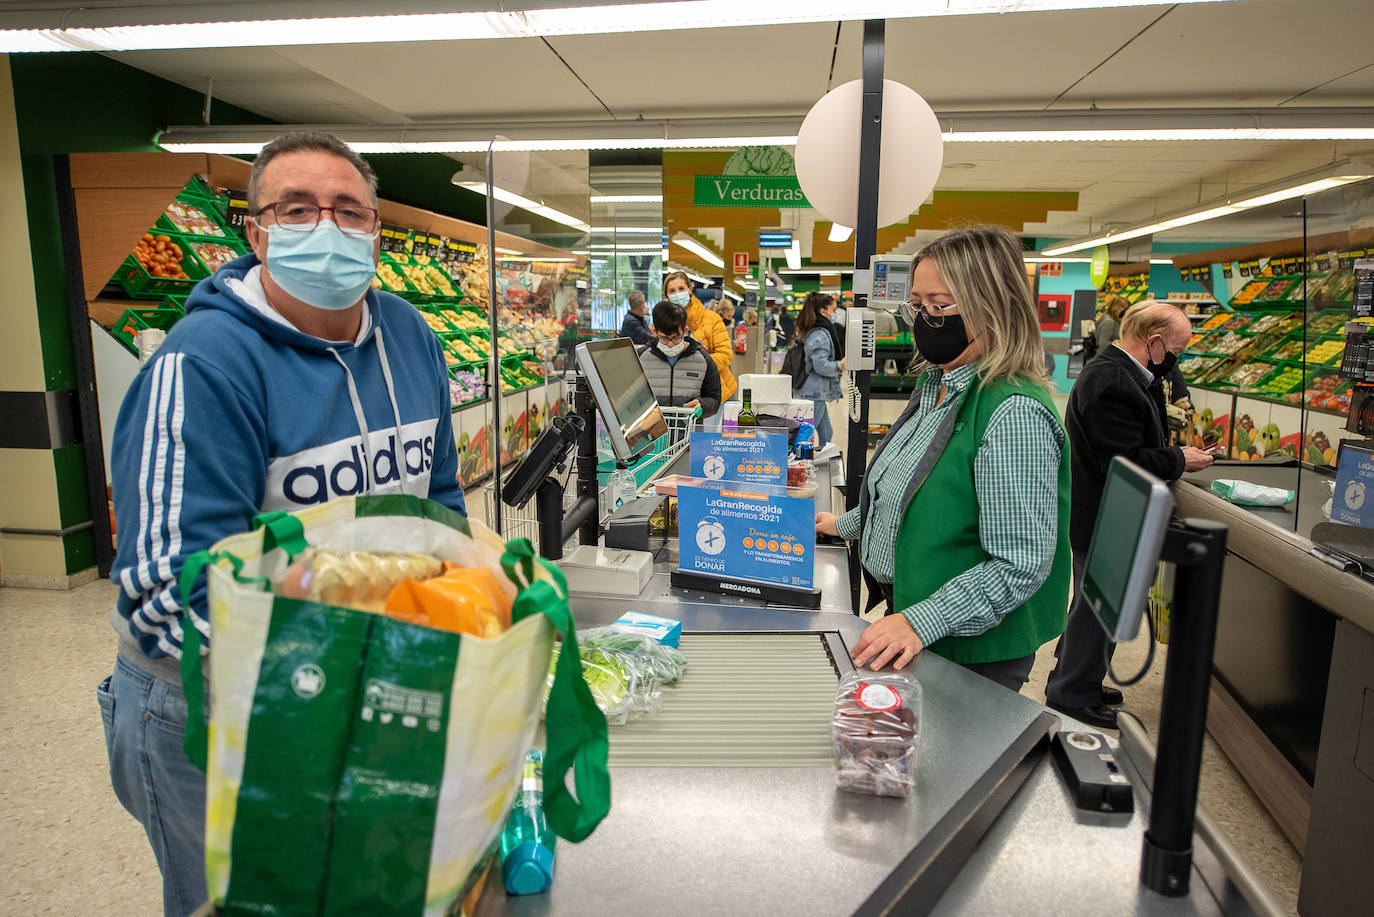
(87, 397)
(548, 505)
(1198, 549)
(494, 358)
(865, 246)
(586, 458)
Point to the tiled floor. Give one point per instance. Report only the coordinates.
(68, 848)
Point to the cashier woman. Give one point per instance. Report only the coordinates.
(963, 515)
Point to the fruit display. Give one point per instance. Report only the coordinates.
(428, 279)
(161, 257)
(1265, 323)
(516, 376)
(465, 352)
(1329, 322)
(1324, 389)
(1192, 366)
(1288, 350)
(213, 255)
(435, 322)
(1324, 351)
(465, 386)
(1216, 321)
(1195, 340)
(1246, 295)
(1247, 374)
(1228, 344)
(1280, 289)
(480, 345)
(189, 218)
(390, 279)
(465, 320)
(1238, 322)
(1335, 290)
(1283, 381)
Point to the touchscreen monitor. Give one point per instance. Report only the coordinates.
(623, 396)
(1124, 553)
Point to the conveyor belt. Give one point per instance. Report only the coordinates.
(747, 700)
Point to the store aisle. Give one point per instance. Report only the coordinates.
(68, 846)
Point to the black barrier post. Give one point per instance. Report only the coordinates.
(585, 407)
(1197, 548)
(865, 246)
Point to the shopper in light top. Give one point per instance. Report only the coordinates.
(821, 339)
(680, 371)
(705, 326)
(289, 382)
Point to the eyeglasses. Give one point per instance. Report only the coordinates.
(672, 338)
(931, 314)
(301, 216)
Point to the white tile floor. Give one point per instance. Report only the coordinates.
(68, 848)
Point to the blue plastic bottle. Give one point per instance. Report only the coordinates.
(527, 844)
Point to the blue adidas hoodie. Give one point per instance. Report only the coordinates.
(239, 414)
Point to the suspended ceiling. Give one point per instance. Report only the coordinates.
(1249, 53)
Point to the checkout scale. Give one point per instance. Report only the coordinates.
(725, 803)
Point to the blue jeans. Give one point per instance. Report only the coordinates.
(145, 721)
(823, 429)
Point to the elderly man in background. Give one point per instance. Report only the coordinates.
(1117, 407)
(636, 323)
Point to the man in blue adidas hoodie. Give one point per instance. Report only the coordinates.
(288, 383)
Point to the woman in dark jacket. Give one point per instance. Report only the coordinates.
(823, 361)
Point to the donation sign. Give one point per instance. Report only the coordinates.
(751, 456)
(742, 534)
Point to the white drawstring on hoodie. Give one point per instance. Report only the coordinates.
(400, 452)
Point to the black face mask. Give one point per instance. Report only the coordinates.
(1163, 367)
(943, 344)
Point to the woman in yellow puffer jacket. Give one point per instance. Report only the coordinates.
(706, 326)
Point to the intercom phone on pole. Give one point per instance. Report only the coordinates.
(860, 340)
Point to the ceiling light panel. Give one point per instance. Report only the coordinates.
(588, 20)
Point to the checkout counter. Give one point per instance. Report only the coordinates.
(725, 802)
(1293, 689)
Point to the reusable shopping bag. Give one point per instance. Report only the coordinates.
(359, 764)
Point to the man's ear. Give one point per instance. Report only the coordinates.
(257, 240)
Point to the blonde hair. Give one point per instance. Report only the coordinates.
(1117, 306)
(1149, 317)
(982, 266)
(725, 309)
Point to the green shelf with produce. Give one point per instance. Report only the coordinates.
(143, 273)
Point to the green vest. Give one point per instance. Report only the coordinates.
(938, 537)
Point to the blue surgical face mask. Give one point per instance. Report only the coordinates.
(680, 298)
(326, 268)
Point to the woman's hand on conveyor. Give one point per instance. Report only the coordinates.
(890, 639)
(825, 524)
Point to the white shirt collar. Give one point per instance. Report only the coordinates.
(251, 291)
(1145, 373)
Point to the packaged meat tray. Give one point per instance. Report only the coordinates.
(190, 219)
(876, 727)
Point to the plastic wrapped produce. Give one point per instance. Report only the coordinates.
(875, 728)
(648, 657)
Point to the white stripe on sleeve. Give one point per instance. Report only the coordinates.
(158, 494)
(149, 428)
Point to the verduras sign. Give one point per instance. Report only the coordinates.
(748, 191)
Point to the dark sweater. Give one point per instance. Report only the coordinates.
(1111, 412)
(693, 376)
(636, 328)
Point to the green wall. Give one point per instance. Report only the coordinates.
(90, 103)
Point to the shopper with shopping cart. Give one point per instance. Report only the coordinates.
(680, 371)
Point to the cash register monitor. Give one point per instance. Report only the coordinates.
(1124, 553)
(623, 395)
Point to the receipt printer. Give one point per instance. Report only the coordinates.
(639, 525)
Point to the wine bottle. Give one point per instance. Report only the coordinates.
(746, 411)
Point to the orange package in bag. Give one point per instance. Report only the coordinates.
(465, 600)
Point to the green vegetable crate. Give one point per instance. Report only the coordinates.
(138, 283)
(132, 321)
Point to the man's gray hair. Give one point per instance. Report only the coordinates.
(307, 141)
(636, 298)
